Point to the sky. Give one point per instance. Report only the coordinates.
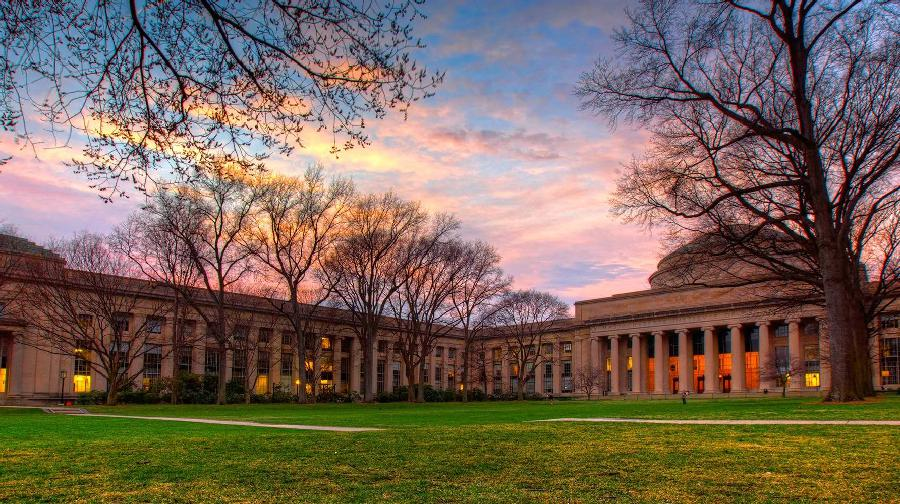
(503, 145)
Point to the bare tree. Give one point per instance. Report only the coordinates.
(367, 266)
(165, 260)
(776, 129)
(782, 370)
(86, 306)
(299, 220)
(211, 217)
(481, 283)
(589, 379)
(524, 318)
(148, 82)
(422, 305)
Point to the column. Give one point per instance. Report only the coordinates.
(765, 356)
(616, 365)
(504, 371)
(738, 360)
(355, 358)
(824, 357)
(596, 365)
(389, 369)
(795, 354)
(603, 355)
(637, 366)
(685, 362)
(660, 363)
(336, 342)
(710, 361)
(557, 368)
(875, 359)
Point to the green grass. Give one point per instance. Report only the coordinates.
(454, 452)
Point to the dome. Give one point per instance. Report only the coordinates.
(714, 260)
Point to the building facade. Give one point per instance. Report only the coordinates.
(660, 341)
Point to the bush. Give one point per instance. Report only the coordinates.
(92, 397)
(195, 389)
(335, 397)
(234, 392)
(282, 394)
(477, 395)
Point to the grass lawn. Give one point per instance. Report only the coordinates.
(455, 452)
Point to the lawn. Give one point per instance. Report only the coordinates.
(454, 452)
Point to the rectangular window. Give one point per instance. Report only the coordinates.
(184, 358)
(262, 363)
(567, 347)
(380, 370)
(451, 353)
(697, 340)
(155, 325)
(781, 331)
(152, 364)
(567, 376)
(82, 372)
(265, 335)
(241, 333)
(345, 371)
(890, 361)
(548, 349)
(347, 344)
(85, 320)
(382, 346)
(287, 364)
(496, 354)
(498, 377)
(238, 364)
(287, 338)
(395, 375)
(120, 352)
(438, 377)
(426, 376)
(451, 378)
(673, 345)
(326, 343)
(890, 321)
(211, 362)
(548, 378)
(120, 322)
(439, 351)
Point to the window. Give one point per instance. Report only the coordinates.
(382, 345)
(890, 321)
(395, 375)
(673, 345)
(496, 354)
(380, 376)
(498, 377)
(82, 373)
(438, 377)
(782, 331)
(347, 344)
(262, 363)
(425, 374)
(439, 351)
(548, 378)
(287, 338)
(697, 340)
(451, 353)
(154, 325)
(548, 349)
(345, 370)
(265, 335)
(211, 362)
(451, 378)
(120, 352)
(186, 329)
(238, 365)
(567, 347)
(567, 376)
(2, 309)
(184, 358)
(530, 349)
(241, 333)
(152, 364)
(287, 364)
(782, 359)
(326, 343)
(85, 320)
(120, 322)
(890, 361)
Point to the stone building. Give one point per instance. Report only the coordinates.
(711, 340)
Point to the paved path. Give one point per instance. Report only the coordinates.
(725, 422)
(238, 422)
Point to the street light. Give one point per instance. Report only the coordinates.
(62, 385)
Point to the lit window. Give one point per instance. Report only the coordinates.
(262, 384)
(82, 383)
(567, 346)
(326, 343)
(812, 380)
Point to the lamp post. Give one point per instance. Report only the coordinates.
(62, 385)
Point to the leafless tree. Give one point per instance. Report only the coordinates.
(299, 220)
(367, 266)
(422, 306)
(524, 317)
(588, 380)
(165, 260)
(165, 87)
(481, 283)
(782, 370)
(776, 129)
(211, 217)
(87, 306)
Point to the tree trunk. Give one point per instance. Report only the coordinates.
(221, 382)
(411, 382)
(112, 395)
(465, 374)
(850, 358)
(421, 388)
(520, 393)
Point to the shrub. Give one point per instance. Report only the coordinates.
(234, 392)
(92, 397)
(282, 394)
(196, 389)
(477, 395)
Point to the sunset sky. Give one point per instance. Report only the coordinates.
(502, 145)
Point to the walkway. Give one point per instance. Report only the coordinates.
(725, 422)
(237, 422)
